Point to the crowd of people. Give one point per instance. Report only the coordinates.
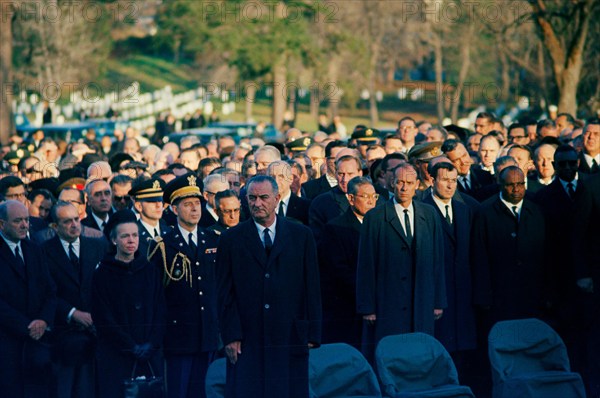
(122, 257)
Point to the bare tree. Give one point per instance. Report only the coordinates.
(6, 76)
(564, 33)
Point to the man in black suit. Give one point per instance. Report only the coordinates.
(99, 196)
(330, 205)
(148, 202)
(187, 257)
(289, 205)
(456, 329)
(77, 199)
(544, 156)
(72, 259)
(558, 203)
(470, 179)
(327, 181)
(589, 158)
(400, 284)
(229, 209)
(27, 308)
(213, 184)
(13, 188)
(508, 252)
(586, 256)
(269, 299)
(338, 254)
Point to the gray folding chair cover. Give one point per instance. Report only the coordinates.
(339, 370)
(215, 379)
(529, 359)
(417, 365)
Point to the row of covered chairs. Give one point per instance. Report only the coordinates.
(528, 360)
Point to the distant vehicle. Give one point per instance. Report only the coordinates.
(204, 134)
(245, 130)
(387, 131)
(68, 131)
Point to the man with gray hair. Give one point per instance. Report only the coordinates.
(71, 259)
(99, 170)
(213, 184)
(27, 308)
(289, 204)
(338, 256)
(264, 156)
(99, 195)
(269, 301)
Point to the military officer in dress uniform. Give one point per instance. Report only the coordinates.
(148, 202)
(187, 256)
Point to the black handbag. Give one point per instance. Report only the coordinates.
(143, 386)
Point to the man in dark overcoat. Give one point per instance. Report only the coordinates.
(338, 257)
(191, 336)
(508, 252)
(586, 257)
(456, 329)
(269, 299)
(290, 205)
(27, 308)
(72, 259)
(400, 281)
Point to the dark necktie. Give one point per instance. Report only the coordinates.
(281, 211)
(448, 219)
(19, 257)
(466, 184)
(407, 226)
(191, 243)
(103, 225)
(155, 232)
(571, 190)
(72, 256)
(268, 241)
(594, 167)
(516, 213)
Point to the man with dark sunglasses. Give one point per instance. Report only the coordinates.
(120, 186)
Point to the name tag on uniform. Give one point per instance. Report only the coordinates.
(211, 251)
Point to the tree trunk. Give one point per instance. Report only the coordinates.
(292, 104)
(250, 99)
(315, 102)
(569, 81)
(439, 78)
(333, 96)
(505, 94)
(373, 110)
(7, 126)
(279, 97)
(566, 52)
(464, 70)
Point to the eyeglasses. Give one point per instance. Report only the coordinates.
(15, 195)
(367, 196)
(230, 211)
(122, 198)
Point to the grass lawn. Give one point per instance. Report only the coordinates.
(155, 73)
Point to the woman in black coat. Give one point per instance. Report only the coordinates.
(128, 308)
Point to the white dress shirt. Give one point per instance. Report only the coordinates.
(411, 215)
